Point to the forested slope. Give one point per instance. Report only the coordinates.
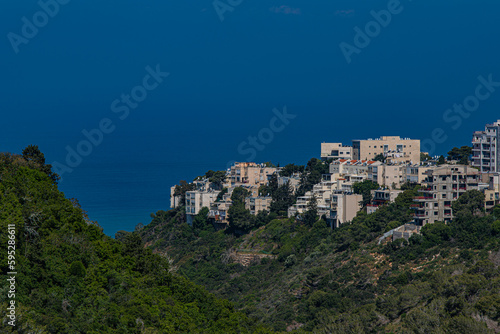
(446, 280)
(71, 278)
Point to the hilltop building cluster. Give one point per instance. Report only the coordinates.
(389, 161)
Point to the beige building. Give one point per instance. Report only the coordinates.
(249, 174)
(394, 149)
(198, 199)
(344, 207)
(382, 197)
(416, 173)
(390, 176)
(257, 204)
(218, 213)
(335, 151)
(445, 184)
(175, 201)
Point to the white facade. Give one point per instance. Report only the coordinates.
(485, 149)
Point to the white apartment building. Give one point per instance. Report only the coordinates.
(485, 148)
(335, 151)
(382, 197)
(393, 148)
(249, 174)
(445, 184)
(257, 204)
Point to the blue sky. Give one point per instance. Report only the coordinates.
(227, 76)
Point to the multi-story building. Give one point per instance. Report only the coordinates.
(335, 203)
(416, 173)
(257, 204)
(218, 213)
(343, 208)
(382, 197)
(175, 201)
(445, 184)
(485, 148)
(249, 174)
(387, 175)
(335, 151)
(393, 148)
(344, 167)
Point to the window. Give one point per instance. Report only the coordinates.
(435, 213)
(444, 196)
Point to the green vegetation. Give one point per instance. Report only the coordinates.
(263, 272)
(319, 280)
(461, 154)
(380, 157)
(364, 188)
(74, 279)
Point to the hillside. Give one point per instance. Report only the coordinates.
(293, 276)
(71, 278)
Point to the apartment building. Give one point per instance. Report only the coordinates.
(218, 211)
(485, 148)
(445, 184)
(416, 173)
(249, 174)
(343, 167)
(336, 151)
(387, 175)
(322, 191)
(337, 205)
(257, 204)
(394, 149)
(344, 207)
(175, 201)
(382, 197)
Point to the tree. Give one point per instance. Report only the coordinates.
(441, 160)
(311, 215)
(380, 157)
(282, 199)
(469, 204)
(221, 194)
(312, 175)
(461, 154)
(182, 188)
(364, 188)
(425, 157)
(239, 194)
(200, 221)
(240, 219)
(270, 187)
(291, 169)
(216, 178)
(33, 153)
(36, 159)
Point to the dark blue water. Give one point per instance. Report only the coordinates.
(225, 79)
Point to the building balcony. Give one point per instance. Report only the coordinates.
(424, 198)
